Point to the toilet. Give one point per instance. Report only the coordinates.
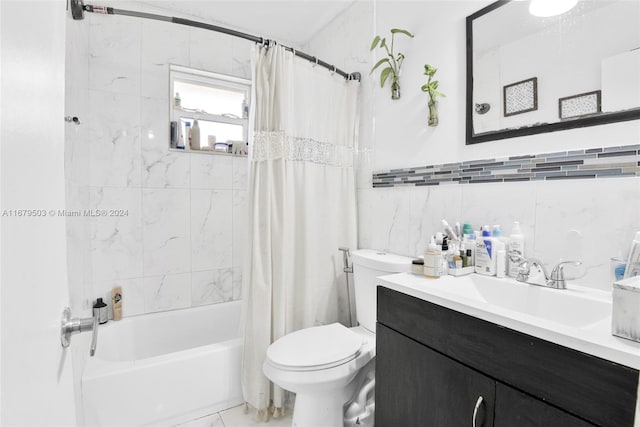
(331, 368)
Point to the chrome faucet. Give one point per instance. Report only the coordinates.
(74, 325)
(533, 272)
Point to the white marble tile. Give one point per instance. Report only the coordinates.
(237, 283)
(116, 241)
(114, 54)
(77, 54)
(589, 221)
(167, 292)
(365, 217)
(364, 168)
(163, 43)
(240, 225)
(213, 420)
(211, 229)
(114, 143)
(429, 206)
(78, 234)
(504, 203)
(210, 51)
(240, 172)
(160, 167)
(241, 60)
(390, 220)
(212, 286)
(211, 171)
(166, 231)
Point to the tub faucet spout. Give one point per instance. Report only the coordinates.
(73, 325)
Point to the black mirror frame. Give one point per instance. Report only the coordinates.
(472, 138)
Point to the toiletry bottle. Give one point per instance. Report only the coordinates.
(245, 109)
(447, 258)
(458, 260)
(180, 142)
(633, 261)
(467, 229)
(195, 135)
(177, 102)
(187, 133)
(450, 232)
(116, 302)
(515, 249)
(432, 261)
(485, 256)
(501, 259)
(100, 311)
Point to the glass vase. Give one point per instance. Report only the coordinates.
(433, 113)
(395, 88)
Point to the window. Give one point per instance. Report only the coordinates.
(218, 102)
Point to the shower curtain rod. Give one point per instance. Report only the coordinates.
(78, 8)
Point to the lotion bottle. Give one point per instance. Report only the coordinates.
(485, 255)
(116, 302)
(195, 136)
(433, 261)
(501, 259)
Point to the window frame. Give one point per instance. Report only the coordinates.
(213, 80)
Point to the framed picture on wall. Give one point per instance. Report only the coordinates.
(520, 97)
(580, 105)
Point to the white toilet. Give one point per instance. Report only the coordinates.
(330, 368)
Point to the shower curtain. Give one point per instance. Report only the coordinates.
(302, 207)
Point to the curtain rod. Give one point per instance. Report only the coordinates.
(78, 8)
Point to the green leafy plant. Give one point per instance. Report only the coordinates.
(393, 61)
(431, 87)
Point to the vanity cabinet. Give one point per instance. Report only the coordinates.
(433, 365)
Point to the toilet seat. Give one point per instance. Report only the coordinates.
(317, 348)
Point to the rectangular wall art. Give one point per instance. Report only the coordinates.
(579, 105)
(521, 97)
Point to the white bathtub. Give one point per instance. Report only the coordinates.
(165, 368)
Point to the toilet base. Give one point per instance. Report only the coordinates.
(312, 410)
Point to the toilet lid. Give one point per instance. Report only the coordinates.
(317, 347)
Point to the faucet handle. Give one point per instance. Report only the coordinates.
(557, 274)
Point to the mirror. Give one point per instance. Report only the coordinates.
(529, 75)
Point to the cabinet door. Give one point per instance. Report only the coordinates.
(418, 387)
(514, 408)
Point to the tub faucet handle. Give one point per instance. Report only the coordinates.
(74, 325)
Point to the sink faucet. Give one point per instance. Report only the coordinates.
(533, 272)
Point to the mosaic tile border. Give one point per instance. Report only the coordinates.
(609, 162)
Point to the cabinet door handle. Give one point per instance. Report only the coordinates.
(475, 410)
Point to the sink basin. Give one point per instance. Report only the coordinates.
(575, 307)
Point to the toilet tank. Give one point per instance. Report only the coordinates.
(367, 265)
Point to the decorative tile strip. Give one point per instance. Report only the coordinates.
(592, 163)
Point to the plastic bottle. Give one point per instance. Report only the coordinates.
(177, 102)
(633, 261)
(501, 259)
(245, 109)
(116, 302)
(187, 133)
(195, 136)
(432, 261)
(100, 311)
(485, 256)
(515, 249)
(180, 142)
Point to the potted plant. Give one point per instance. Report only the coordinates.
(431, 87)
(393, 61)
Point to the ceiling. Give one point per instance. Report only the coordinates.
(292, 22)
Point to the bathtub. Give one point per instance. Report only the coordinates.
(164, 368)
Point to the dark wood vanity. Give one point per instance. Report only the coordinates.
(436, 367)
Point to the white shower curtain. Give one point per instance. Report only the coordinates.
(302, 206)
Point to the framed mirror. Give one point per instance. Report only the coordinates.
(528, 74)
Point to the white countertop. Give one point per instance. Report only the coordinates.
(559, 319)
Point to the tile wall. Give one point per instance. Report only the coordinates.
(180, 238)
